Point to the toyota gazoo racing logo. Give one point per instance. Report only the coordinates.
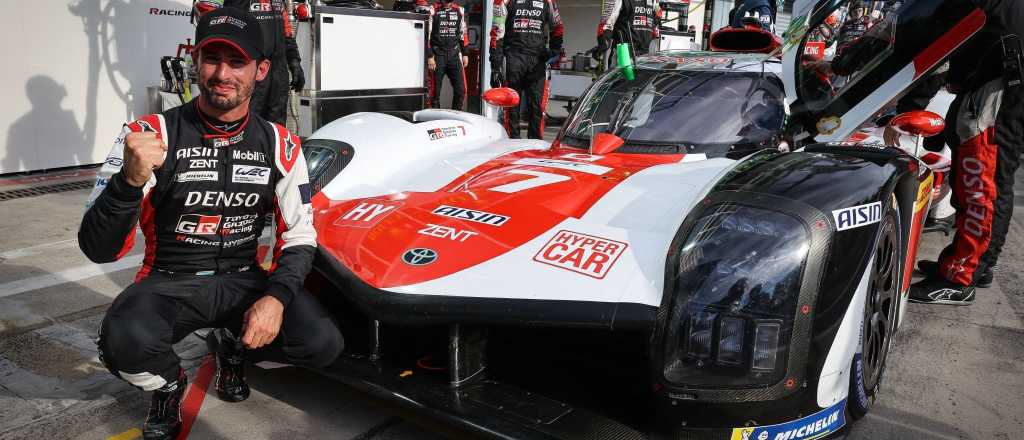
(419, 256)
(196, 224)
(446, 132)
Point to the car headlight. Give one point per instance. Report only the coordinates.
(735, 300)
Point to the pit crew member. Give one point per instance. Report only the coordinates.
(628, 21)
(449, 41)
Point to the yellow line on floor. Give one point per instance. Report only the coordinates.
(127, 435)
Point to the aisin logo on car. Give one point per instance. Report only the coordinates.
(419, 256)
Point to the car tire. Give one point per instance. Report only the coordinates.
(881, 312)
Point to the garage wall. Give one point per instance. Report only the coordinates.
(75, 71)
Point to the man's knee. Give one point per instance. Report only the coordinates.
(320, 345)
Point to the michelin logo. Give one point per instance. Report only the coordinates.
(857, 216)
(815, 426)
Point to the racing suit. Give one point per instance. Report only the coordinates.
(270, 97)
(448, 42)
(988, 127)
(764, 10)
(202, 213)
(628, 21)
(524, 49)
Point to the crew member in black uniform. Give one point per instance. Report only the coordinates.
(199, 180)
(634, 22)
(526, 35)
(986, 123)
(447, 56)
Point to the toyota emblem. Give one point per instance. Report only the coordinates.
(419, 256)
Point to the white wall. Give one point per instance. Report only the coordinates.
(75, 71)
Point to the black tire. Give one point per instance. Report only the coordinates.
(881, 311)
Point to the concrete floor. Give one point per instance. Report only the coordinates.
(954, 373)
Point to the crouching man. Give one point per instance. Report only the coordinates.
(200, 179)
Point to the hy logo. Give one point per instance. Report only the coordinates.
(419, 256)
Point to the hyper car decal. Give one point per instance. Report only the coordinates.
(814, 426)
(494, 208)
(581, 253)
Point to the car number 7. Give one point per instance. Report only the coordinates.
(539, 178)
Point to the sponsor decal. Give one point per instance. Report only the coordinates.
(815, 50)
(581, 156)
(229, 20)
(239, 241)
(114, 161)
(202, 163)
(453, 234)
(588, 168)
(238, 224)
(213, 199)
(146, 128)
(446, 132)
(581, 253)
(857, 216)
(198, 224)
(250, 174)
(367, 214)
(829, 125)
(289, 148)
(814, 426)
(197, 241)
(471, 215)
(173, 12)
(194, 152)
(260, 7)
(538, 4)
(197, 176)
(419, 256)
(255, 156)
(220, 142)
(971, 172)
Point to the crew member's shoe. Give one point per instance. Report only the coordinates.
(164, 419)
(930, 268)
(230, 382)
(937, 290)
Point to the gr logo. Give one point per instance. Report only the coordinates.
(197, 224)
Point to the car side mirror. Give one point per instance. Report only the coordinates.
(503, 97)
(604, 143)
(919, 123)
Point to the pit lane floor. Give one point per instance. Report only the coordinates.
(953, 373)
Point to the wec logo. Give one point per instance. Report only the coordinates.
(581, 253)
(250, 174)
(198, 224)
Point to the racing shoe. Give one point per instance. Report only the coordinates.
(936, 290)
(230, 383)
(164, 419)
(930, 268)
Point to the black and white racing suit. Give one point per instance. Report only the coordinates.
(986, 124)
(629, 21)
(524, 36)
(449, 40)
(202, 214)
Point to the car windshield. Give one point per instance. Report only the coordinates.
(681, 111)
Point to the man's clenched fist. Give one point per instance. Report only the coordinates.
(143, 153)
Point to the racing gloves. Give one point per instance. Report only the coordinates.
(298, 76)
(603, 40)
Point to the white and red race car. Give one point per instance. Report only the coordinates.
(696, 255)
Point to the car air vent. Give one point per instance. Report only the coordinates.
(325, 158)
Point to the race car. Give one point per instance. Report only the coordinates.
(699, 254)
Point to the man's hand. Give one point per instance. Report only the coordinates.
(298, 76)
(891, 137)
(143, 153)
(465, 61)
(262, 322)
(431, 64)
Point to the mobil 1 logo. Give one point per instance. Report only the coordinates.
(857, 216)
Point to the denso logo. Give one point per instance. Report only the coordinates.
(473, 216)
(213, 199)
(198, 224)
(857, 216)
(528, 12)
(581, 253)
(250, 174)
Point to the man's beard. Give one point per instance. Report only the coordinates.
(242, 92)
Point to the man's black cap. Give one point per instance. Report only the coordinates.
(234, 27)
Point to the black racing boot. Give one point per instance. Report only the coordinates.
(983, 279)
(937, 290)
(164, 419)
(230, 383)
